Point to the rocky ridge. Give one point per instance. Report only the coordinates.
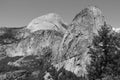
(49, 21)
(49, 39)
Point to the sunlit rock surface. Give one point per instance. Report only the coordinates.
(36, 43)
(78, 38)
(49, 49)
(50, 21)
(116, 29)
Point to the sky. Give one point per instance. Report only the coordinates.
(17, 13)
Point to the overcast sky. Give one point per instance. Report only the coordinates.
(16, 13)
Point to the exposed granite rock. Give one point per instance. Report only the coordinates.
(47, 41)
(50, 21)
(36, 43)
(116, 30)
(78, 38)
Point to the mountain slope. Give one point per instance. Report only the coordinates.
(48, 48)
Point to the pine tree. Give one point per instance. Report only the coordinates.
(105, 54)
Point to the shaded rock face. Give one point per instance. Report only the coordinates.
(48, 43)
(11, 35)
(36, 43)
(18, 75)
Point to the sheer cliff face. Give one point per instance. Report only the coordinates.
(66, 46)
(80, 32)
(74, 46)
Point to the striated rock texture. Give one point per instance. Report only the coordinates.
(36, 43)
(48, 49)
(49, 21)
(78, 38)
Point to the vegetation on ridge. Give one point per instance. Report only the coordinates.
(105, 54)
